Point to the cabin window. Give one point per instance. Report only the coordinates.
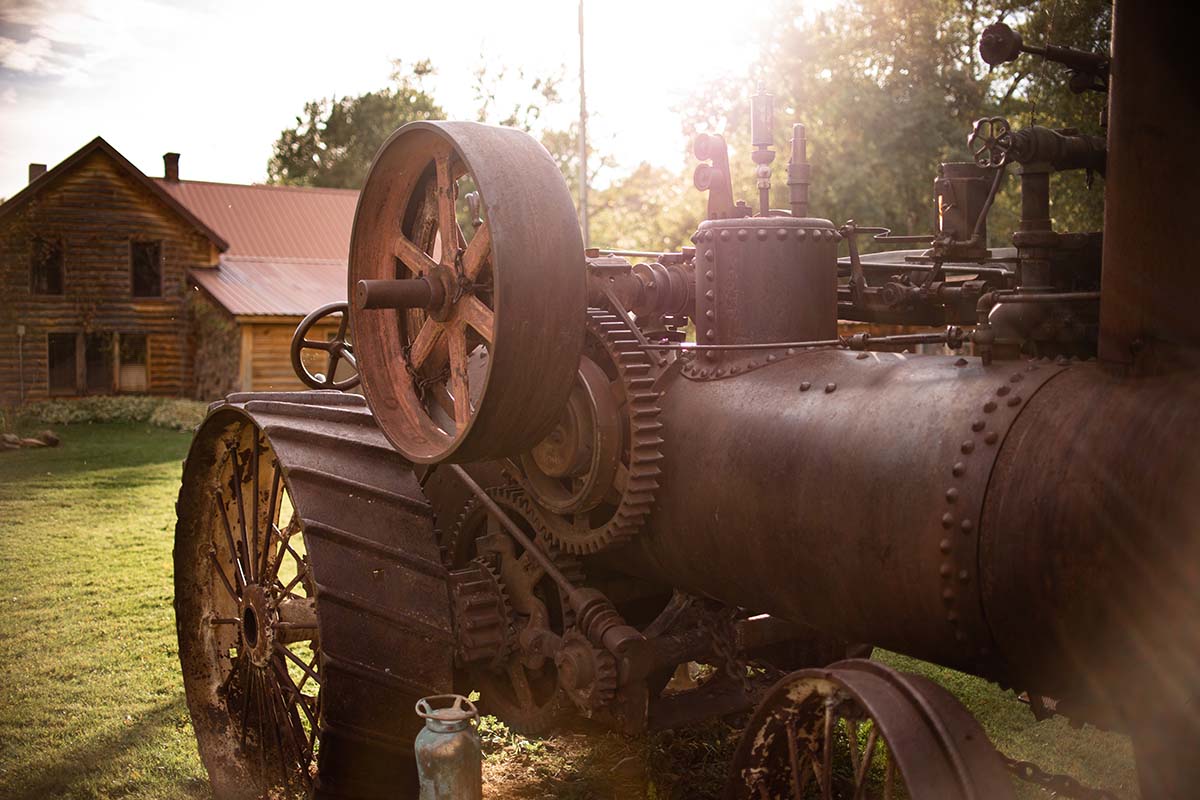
(146, 266)
(132, 360)
(61, 353)
(98, 350)
(46, 266)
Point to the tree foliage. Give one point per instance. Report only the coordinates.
(335, 139)
(887, 89)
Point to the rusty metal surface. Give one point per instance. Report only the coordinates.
(532, 346)
(381, 601)
(934, 748)
(282, 222)
(273, 287)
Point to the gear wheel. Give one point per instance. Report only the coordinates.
(614, 346)
(587, 674)
(482, 616)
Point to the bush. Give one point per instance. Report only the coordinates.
(182, 415)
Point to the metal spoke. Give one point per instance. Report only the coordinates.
(241, 506)
(308, 671)
(458, 376)
(827, 755)
(447, 220)
(311, 671)
(478, 252)
(245, 684)
(257, 466)
(412, 256)
(889, 776)
(852, 742)
(864, 766)
(520, 684)
(295, 727)
(425, 343)
(472, 311)
(240, 572)
(285, 680)
(216, 562)
(794, 761)
(276, 480)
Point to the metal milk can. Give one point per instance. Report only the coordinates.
(449, 761)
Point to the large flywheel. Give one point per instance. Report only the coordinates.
(311, 604)
(468, 278)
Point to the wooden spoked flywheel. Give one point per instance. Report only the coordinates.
(467, 273)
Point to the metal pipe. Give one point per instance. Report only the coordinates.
(403, 293)
(846, 342)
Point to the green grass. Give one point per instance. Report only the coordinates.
(91, 702)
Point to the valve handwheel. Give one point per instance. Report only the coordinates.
(336, 350)
(990, 142)
(468, 343)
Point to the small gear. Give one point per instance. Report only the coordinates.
(482, 615)
(614, 346)
(587, 674)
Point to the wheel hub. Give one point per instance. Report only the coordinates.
(257, 621)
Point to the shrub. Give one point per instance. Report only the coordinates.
(160, 411)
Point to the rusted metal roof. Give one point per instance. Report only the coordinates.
(281, 222)
(250, 286)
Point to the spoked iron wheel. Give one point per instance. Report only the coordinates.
(858, 730)
(464, 355)
(260, 654)
(311, 607)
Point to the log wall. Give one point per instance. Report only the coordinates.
(96, 210)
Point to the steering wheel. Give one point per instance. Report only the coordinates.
(991, 142)
(336, 349)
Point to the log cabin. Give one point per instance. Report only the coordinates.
(112, 281)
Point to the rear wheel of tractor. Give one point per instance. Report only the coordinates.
(306, 596)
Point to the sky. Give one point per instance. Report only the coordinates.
(217, 81)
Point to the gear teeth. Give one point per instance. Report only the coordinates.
(482, 614)
(637, 373)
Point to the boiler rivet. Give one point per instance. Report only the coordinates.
(805, 386)
(861, 356)
(770, 358)
(1003, 390)
(801, 233)
(963, 576)
(948, 595)
(944, 545)
(946, 570)
(966, 525)
(958, 469)
(830, 388)
(781, 234)
(711, 355)
(791, 351)
(709, 275)
(1015, 400)
(720, 372)
(724, 236)
(962, 362)
(733, 370)
(977, 425)
(742, 234)
(991, 437)
(959, 636)
(951, 494)
(709, 314)
(709, 295)
(708, 254)
(947, 519)
(752, 365)
(989, 407)
(762, 234)
(967, 446)
(710, 333)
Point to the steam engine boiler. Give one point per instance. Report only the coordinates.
(571, 471)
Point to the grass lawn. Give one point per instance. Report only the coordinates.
(91, 703)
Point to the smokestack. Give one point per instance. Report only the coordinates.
(36, 171)
(171, 166)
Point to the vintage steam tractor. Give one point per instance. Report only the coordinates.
(548, 493)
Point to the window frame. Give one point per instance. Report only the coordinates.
(62, 266)
(119, 362)
(161, 270)
(73, 391)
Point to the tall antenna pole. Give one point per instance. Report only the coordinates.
(583, 168)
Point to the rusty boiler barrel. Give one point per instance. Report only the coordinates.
(1000, 519)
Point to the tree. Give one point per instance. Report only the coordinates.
(887, 89)
(334, 141)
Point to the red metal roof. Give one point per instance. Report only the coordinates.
(280, 222)
(250, 286)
